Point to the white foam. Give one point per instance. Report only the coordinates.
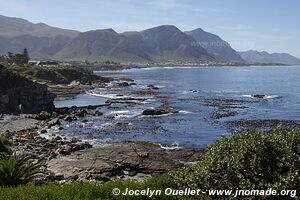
(185, 112)
(107, 96)
(271, 97)
(189, 91)
(175, 145)
(119, 112)
(265, 97)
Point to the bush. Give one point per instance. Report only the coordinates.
(251, 160)
(17, 169)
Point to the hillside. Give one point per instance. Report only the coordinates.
(215, 45)
(41, 40)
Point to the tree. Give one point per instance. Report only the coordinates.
(19, 58)
(25, 56)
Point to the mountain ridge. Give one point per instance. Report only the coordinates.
(158, 44)
(215, 45)
(254, 56)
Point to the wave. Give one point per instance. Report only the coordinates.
(185, 112)
(107, 96)
(261, 96)
(190, 91)
(174, 145)
(125, 113)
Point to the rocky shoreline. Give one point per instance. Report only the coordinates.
(71, 159)
(65, 160)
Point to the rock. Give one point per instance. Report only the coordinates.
(74, 140)
(43, 116)
(21, 95)
(123, 84)
(85, 120)
(143, 154)
(81, 112)
(132, 173)
(126, 79)
(70, 118)
(111, 116)
(43, 131)
(55, 177)
(58, 138)
(54, 122)
(152, 87)
(4, 99)
(98, 113)
(259, 96)
(73, 178)
(121, 159)
(65, 150)
(123, 124)
(159, 111)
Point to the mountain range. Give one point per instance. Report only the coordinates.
(253, 57)
(158, 44)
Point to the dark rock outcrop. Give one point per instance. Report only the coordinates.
(20, 95)
(121, 160)
(159, 111)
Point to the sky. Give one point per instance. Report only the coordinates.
(264, 25)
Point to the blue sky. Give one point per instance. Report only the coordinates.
(268, 25)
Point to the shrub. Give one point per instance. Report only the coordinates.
(17, 169)
(251, 160)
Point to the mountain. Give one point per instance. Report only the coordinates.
(103, 44)
(41, 40)
(253, 56)
(162, 43)
(214, 45)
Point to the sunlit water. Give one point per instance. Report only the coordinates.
(190, 90)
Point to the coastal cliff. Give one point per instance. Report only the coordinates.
(20, 95)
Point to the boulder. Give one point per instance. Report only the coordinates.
(44, 115)
(152, 87)
(259, 96)
(44, 131)
(123, 84)
(54, 122)
(81, 112)
(159, 111)
(70, 118)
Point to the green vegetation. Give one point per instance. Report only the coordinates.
(17, 169)
(252, 160)
(19, 58)
(54, 74)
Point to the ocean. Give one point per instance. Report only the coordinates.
(207, 100)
